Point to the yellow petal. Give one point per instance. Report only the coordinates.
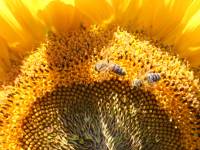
(36, 5)
(20, 31)
(176, 22)
(119, 6)
(27, 22)
(4, 58)
(58, 15)
(62, 17)
(188, 44)
(97, 11)
(156, 17)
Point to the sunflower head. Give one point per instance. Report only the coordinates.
(101, 77)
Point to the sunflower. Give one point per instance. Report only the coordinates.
(100, 74)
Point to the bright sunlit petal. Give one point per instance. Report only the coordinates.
(97, 11)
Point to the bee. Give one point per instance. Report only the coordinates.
(117, 69)
(153, 77)
(109, 66)
(137, 83)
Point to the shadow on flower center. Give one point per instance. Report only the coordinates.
(103, 115)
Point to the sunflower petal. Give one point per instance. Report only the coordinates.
(4, 58)
(20, 31)
(174, 22)
(27, 22)
(188, 45)
(62, 17)
(119, 6)
(58, 15)
(97, 11)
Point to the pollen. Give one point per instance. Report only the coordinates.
(60, 101)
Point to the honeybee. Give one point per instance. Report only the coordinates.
(109, 66)
(117, 69)
(153, 77)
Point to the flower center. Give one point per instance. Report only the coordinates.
(105, 88)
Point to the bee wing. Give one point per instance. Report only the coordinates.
(101, 66)
(137, 83)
